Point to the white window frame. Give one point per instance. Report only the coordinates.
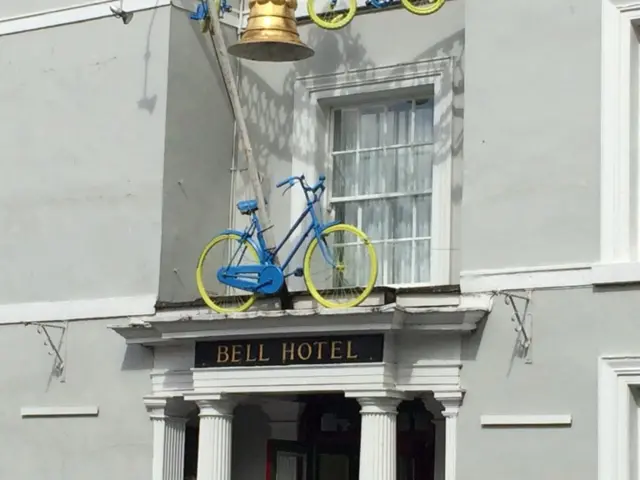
(314, 97)
(617, 375)
(620, 165)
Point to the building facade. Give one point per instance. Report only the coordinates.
(489, 150)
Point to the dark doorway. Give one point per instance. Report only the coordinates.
(329, 442)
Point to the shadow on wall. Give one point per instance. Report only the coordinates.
(269, 113)
(148, 102)
(137, 357)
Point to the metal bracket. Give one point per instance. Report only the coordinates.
(523, 320)
(54, 350)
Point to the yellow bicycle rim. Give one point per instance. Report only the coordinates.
(423, 10)
(339, 21)
(208, 300)
(373, 264)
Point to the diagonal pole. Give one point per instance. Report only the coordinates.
(215, 31)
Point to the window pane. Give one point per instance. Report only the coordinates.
(376, 173)
(399, 124)
(389, 164)
(400, 262)
(371, 126)
(344, 175)
(423, 261)
(424, 121)
(401, 217)
(423, 216)
(345, 130)
(421, 169)
(347, 212)
(375, 219)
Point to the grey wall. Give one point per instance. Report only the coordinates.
(572, 328)
(82, 142)
(267, 89)
(101, 371)
(532, 133)
(198, 156)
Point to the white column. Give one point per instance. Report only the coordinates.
(451, 402)
(378, 438)
(214, 441)
(169, 425)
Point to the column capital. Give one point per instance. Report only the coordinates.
(379, 404)
(451, 401)
(163, 408)
(216, 405)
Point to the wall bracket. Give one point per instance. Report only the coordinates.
(55, 350)
(522, 319)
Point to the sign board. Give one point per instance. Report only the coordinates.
(290, 351)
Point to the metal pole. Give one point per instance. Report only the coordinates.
(215, 31)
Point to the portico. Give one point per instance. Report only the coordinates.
(397, 365)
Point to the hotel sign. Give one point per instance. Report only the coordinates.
(290, 351)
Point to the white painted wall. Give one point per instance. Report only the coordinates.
(82, 142)
(101, 371)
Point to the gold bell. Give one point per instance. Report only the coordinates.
(271, 34)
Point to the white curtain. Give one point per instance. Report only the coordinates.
(287, 466)
(382, 179)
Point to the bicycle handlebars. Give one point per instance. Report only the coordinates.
(307, 188)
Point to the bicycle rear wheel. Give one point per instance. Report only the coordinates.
(338, 285)
(225, 250)
(422, 7)
(330, 15)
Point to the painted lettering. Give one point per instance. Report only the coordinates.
(336, 350)
(261, 357)
(223, 354)
(236, 353)
(248, 357)
(304, 351)
(350, 354)
(320, 349)
(288, 349)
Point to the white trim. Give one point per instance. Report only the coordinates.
(77, 309)
(604, 274)
(524, 278)
(524, 420)
(78, 411)
(616, 376)
(73, 14)
(618, 229)
(313, 97)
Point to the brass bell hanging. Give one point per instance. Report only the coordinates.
(271, 34)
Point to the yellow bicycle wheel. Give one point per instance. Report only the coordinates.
(226, 249)
(332, 16)
(343, 243)
(422, 7)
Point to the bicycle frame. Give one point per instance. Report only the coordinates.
(267, 255)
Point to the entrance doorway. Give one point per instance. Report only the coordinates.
(328, 443)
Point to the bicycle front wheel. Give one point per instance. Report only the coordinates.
(422, 7)
(225, 250)
(328, 14)
(345, 265)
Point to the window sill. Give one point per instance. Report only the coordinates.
(615, 273)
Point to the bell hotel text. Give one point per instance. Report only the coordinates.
(290, 352)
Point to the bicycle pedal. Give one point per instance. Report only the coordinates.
(298, 272)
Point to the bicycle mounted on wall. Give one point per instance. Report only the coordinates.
(332, 16)
(261, 275)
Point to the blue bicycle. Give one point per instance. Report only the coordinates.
(248, 268)
(202, 12)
